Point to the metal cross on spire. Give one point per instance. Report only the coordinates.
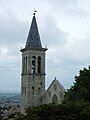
(34, 12)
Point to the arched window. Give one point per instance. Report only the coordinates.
(23, 66)
(55, 99)
(26, 64)
(33, 64)
(23, 90)
(39, 64)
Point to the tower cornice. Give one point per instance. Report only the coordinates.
(33, 74)
(34, 49)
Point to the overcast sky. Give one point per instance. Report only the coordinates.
(64, 26)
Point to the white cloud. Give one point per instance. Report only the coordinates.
(64, 28)
(8, 61)
(4, 54)
(12, 29)
(51, 34)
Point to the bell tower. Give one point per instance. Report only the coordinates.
(33, 69)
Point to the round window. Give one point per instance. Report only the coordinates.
(55, 87)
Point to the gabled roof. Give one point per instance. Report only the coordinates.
(33, 39)
(58, 83)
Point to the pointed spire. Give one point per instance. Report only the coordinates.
(33, 39)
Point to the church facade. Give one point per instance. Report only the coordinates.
(33, 73)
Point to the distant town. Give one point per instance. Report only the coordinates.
(9, 104)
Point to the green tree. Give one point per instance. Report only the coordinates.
(57, 112)
(20, 117)
(80, 91)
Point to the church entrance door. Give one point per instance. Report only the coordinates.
(55, 99)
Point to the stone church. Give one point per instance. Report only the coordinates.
(33, 73)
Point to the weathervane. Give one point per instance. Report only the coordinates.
(34, 12)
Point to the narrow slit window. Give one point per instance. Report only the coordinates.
(25, 90)
(39, 90)
(33, 90)
(41, 83)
